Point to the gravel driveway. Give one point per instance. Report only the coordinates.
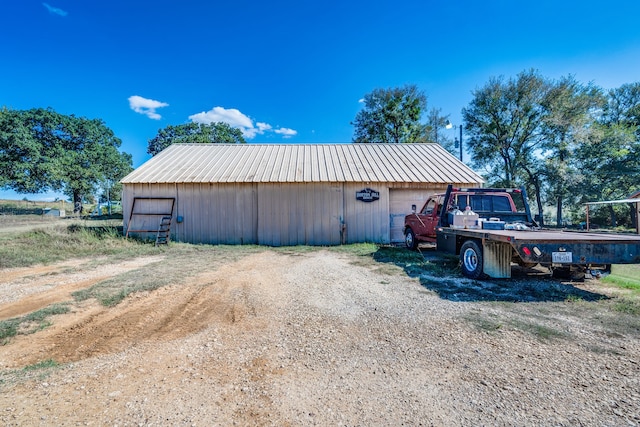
(324, 338)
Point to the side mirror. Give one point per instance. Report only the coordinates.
(413, 208)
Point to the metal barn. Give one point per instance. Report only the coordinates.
(286, 194)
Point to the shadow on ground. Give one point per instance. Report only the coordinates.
(440, 273)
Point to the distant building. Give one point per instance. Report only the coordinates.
(287, 194)
(53, 212)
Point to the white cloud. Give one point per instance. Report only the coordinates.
(235, 118)
(286, 132)
(146, 106)
(263, 126)
(55, 10)
(231, 116)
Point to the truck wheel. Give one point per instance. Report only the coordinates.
(471, 259)
(410, 240)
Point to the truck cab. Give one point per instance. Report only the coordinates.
(420, 226)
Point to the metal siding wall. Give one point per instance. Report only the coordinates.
(224, 213)
(187, 196)
(299, 214)
(127, 200)
(366, 222)
(296, 221)
(247, 207)
(284, 208)
(337, 213)
(266, 223)
(217, 213)
(237, 208)
(279, 213)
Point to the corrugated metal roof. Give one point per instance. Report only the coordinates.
(218, 163)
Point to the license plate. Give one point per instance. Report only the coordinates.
(562, 257)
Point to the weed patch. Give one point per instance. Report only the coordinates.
(627, 306)
(45, 364)
(541, 332)
(358, 249)
(39, 371)
(490, 323)
(31, 323)
(57, 243)
(414, 263)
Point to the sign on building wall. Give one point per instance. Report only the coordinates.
(367, 195)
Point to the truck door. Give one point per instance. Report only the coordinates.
(429, 217)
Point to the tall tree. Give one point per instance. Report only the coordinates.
(623, 107)
(569, 109)
(24, 165)
(57, 152)
(196, 133)
(610, 161)
(503, 130)
(391, 116)
(90, 155)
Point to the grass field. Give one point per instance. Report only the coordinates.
(28, 207)
(625, 276)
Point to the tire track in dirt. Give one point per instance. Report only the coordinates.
(219, 298)
(44, 299)
(43, 286)
(8, 275)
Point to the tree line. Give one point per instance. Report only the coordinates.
(567, 142)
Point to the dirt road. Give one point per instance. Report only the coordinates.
(312, 338)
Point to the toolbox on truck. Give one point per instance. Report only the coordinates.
(492, 225)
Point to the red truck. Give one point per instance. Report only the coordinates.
(500, 231)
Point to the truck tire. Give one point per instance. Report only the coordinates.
(471, 260)
(410, 240)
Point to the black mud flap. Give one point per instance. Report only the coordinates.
(446, 243)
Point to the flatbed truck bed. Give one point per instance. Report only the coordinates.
(508, 234)
(551, 248)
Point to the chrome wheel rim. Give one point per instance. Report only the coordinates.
(470, 260)
(409, 240)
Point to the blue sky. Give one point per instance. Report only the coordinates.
(293, 71)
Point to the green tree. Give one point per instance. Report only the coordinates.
(88, 155)
(623, 106)
(569, 110)
(391, 116)
(610, 160)
(195, 133)
(24, 136)
(57, 152)
(503, 128)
